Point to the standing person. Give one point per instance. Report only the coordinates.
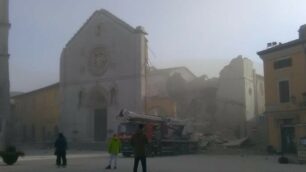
(113, 147)
(60, 150)
(139, 142)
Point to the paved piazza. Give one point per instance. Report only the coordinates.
(95, 162)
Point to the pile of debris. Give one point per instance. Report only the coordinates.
(215, 144)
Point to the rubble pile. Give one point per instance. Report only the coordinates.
(215, 144)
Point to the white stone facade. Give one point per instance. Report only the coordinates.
(4, 75)
(102, 70)
(240, 96)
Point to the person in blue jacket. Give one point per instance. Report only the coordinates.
(60, 150)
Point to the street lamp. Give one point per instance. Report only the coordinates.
(4, 71)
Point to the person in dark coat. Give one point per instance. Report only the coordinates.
(139, 142)
(60, 150)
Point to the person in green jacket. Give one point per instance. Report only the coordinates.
(113, 148)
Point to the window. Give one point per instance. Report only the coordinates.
(250, 91)
(261, 89)
(80, 98)
(283, 87)
(282, 63)
(43, 131)
(304, 98)
(24, 132)
(33, 134)
(55, 131)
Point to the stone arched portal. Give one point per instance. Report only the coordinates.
(97, 102)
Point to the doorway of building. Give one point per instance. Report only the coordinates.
(100, 122)
(287, 137)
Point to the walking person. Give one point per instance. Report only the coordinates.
(113, 147)
(60, 150)
(139, 142)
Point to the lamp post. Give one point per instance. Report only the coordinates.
(4, 71)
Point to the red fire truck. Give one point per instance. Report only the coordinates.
(166, 135)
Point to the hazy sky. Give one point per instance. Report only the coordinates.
(203, 35)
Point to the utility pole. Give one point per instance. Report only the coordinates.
(4, 71)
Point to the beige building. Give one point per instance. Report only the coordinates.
(285, 83)
(35, 115)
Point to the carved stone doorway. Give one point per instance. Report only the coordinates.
(100, 124)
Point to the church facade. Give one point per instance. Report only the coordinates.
(102, 70)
